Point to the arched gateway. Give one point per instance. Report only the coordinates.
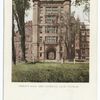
(51, 54)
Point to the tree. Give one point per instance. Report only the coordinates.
(70, 27)
(13, 33)
(64, 29)
(67, 35)
(20, 6)
(73, 31)
(86, 4)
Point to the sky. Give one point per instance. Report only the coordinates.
(78, 13)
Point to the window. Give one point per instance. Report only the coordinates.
(40, 54)
(40, 39)
(40, 48)
(51, 19)
(51, 10)
(87, 52)
(41, 19)
(40, 29)
(41, 10)
(83, 45)
(83, 38)
(87, 32)
(87, 38)
(61, 6)
(51, 39)
(41, 7)
(50, 29)
(87, 45)
(83, 51)
(61, 9)
(83, 33)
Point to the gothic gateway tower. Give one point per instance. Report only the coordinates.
(48, 34)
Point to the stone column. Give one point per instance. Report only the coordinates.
(35, 29)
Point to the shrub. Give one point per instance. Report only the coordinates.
(50, 73)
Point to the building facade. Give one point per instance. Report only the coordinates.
(45, 35)
(82, 42)
(48, 42)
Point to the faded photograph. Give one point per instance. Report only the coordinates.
(50, 40)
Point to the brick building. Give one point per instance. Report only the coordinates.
(28, 42)
(84, 41)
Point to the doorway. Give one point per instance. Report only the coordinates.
(51, 54)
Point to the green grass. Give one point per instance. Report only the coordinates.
(50, 72)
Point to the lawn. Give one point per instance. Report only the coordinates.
(50, 72)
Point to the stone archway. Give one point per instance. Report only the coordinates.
(51, 54)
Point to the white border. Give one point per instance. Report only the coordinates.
(98, 88)
(1, 49)
(84, 91)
